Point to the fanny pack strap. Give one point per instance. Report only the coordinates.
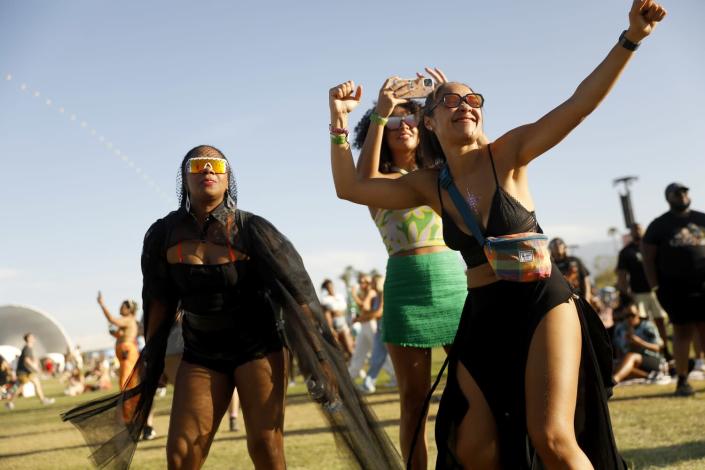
(446, 180)
(422, 417)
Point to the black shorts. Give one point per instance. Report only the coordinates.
(684, 304)
(243, 337)
(650, 363)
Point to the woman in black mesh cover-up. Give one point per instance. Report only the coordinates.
(246, 299)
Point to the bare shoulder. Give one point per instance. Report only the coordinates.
(425, 183)
(506, 148)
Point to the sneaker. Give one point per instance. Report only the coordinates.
(368, 385)
(657, 377)
(234, 427)
(699, 365)
(683, 389)
(48, 401)
(10, 405)
(148, 433)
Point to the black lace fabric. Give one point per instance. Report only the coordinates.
(292, 297)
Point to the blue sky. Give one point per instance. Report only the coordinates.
(154, 79)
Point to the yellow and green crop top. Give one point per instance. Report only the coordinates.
(406, 229)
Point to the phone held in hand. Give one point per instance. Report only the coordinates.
(416, 87)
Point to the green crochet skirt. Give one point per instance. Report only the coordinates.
(423, 298)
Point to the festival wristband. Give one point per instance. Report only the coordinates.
(338, 130)
(339, 139)
(377, 119)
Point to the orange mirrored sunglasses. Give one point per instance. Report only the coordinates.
(200, 164)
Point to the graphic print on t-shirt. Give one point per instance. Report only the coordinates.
(690, 235)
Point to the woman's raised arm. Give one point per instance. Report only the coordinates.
(534, 139)
(383, 193)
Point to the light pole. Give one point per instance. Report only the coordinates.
(626, 198)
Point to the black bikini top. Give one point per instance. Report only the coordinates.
(507, 216)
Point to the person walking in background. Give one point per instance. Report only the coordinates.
(424, 281)
(631, 280)
(674, 262)
(379, 359)
(28, 370)
(335, 310)
(572, 268)
(234, 411)
(363, 294)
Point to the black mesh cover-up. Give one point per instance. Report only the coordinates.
(294, 304)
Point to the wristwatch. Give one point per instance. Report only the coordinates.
(626, 43)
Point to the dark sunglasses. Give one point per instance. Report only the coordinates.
(394, 122)
(453, 100)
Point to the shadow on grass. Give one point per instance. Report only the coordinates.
(668, 394)
(81, 446)
(32, 433)
(225, 436)
(666, 455)
(42, 451)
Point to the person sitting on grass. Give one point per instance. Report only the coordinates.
(639, 343)
(8, 383)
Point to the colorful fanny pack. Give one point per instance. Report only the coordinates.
(519, 257)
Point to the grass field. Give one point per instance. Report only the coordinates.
(653, 430)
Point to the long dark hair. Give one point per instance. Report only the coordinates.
(429, 146)
(203, 151)
(386, 161)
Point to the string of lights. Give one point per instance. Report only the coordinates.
(106, 143)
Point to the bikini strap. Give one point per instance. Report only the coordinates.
(440, 196)
(179, 253)
(494, 170)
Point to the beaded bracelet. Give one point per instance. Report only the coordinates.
(338, 130)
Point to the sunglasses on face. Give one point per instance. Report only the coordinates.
(453, 100)
(200, 164)
(394, 122)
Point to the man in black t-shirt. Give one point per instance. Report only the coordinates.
(631, 280)
(572, 269)
(674, 262)
(28, 369)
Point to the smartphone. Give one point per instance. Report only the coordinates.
(417, 87)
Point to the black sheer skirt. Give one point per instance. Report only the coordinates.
(492, 343)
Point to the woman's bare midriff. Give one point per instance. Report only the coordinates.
(424, 250)
(480, 276)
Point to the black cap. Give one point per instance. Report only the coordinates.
(673, 187)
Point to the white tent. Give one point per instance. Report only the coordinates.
(16, 320)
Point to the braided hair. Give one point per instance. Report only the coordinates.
(203, 151)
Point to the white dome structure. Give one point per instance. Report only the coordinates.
(16, 320)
